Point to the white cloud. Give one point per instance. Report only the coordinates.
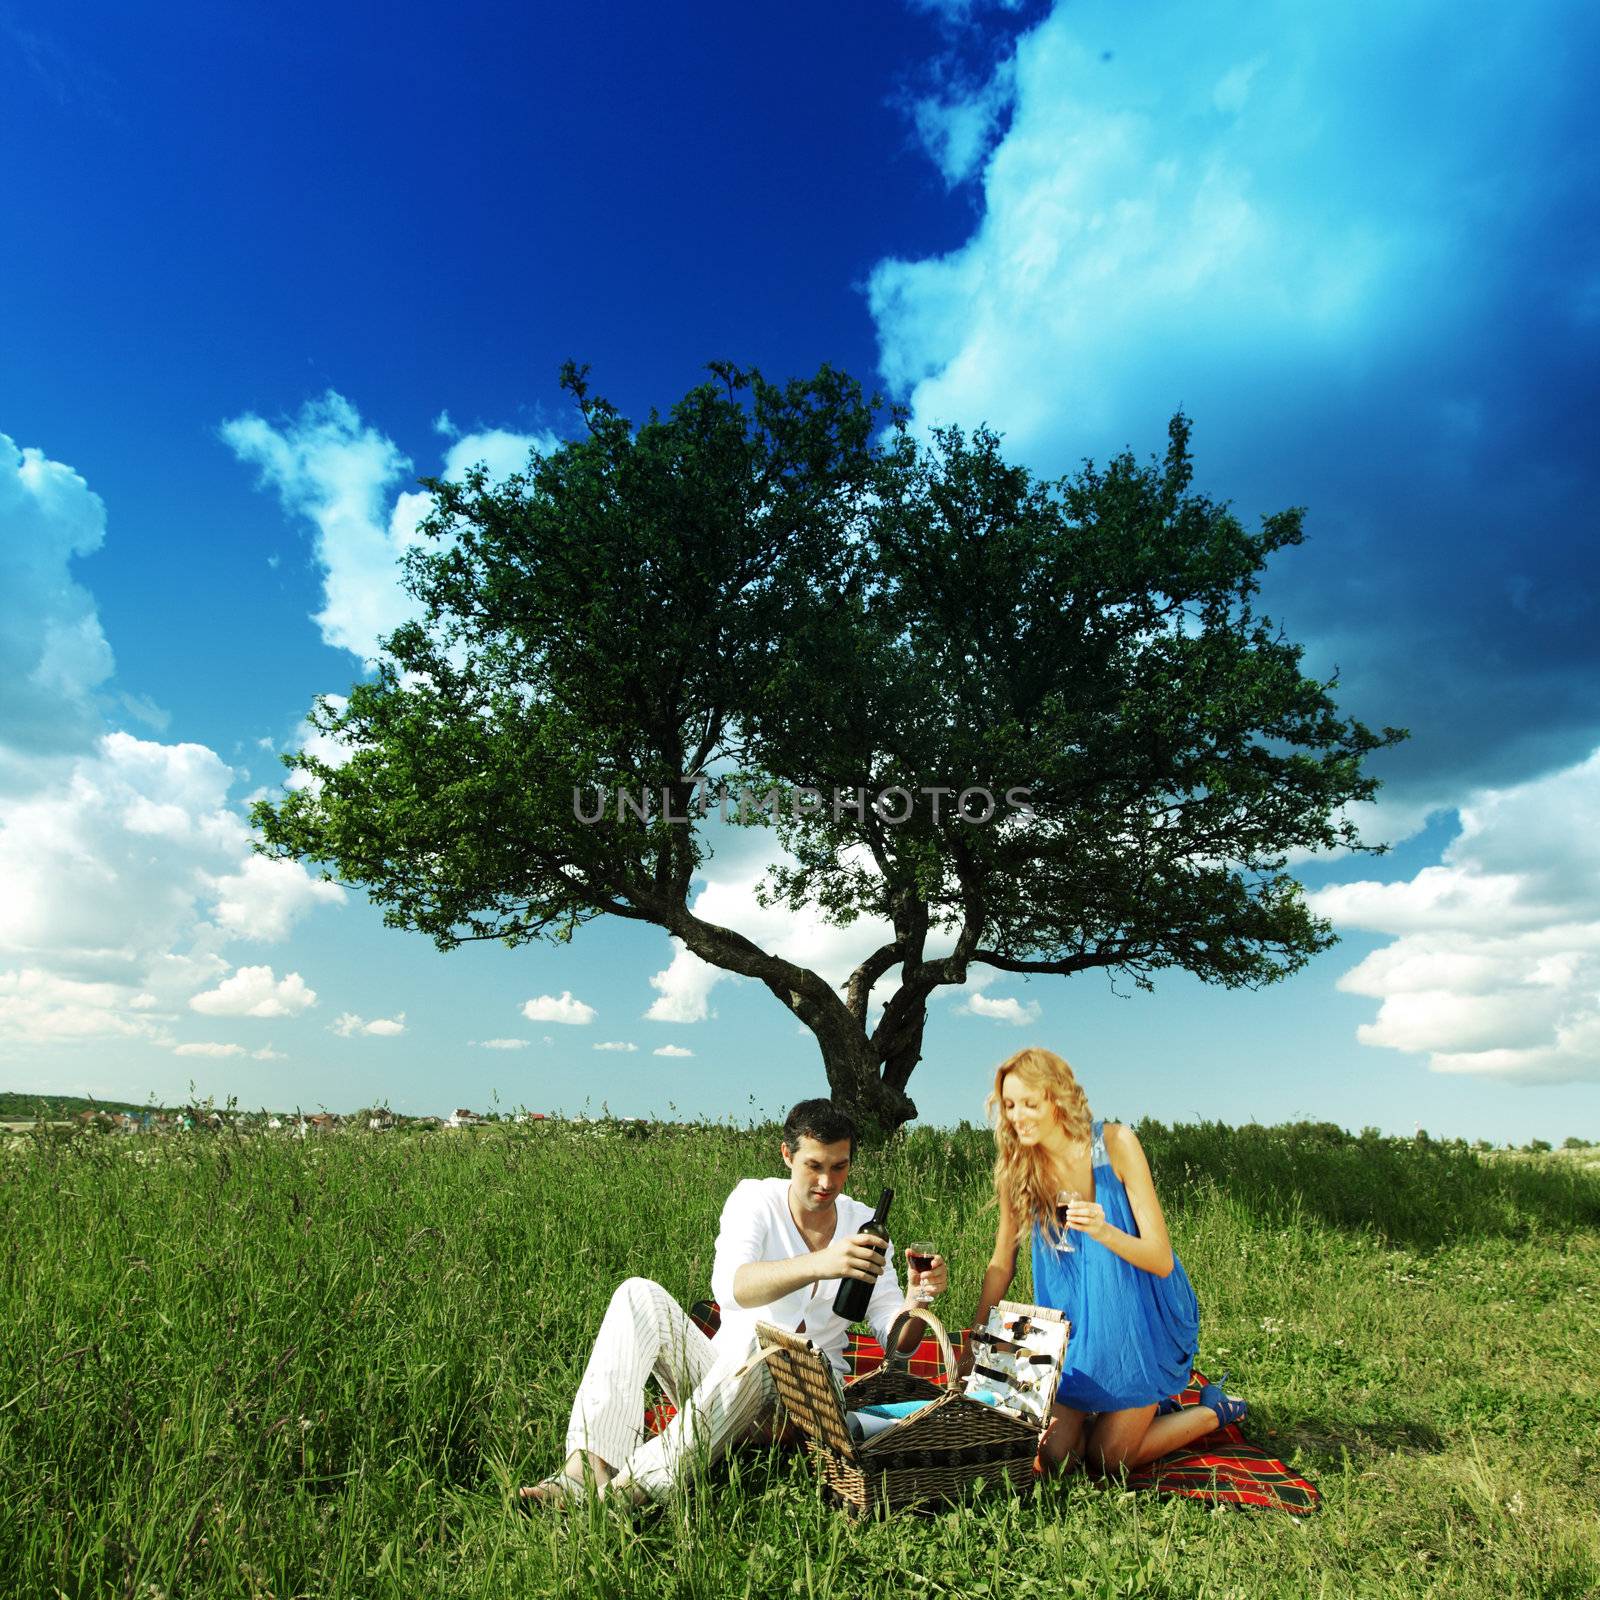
(253, 992)
(209, 1049)
(502, 453)
(959, 11)
(683, 987)
(266, 897)
(331, 752)
(329, 468)
(144, 710)
(550, 1008)
(1249, 223)
(616, 1044)
(339, 473)
(1116, 226)
(1001, 1009)
(112, 868)
(53, 654)
(44, 1007)
(1495, 964)
(672, 1050)
(347, 1024)
(267, 1053)
(959, 131)
(123, 867)
(502, 1044)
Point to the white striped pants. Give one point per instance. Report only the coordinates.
(719, 1396)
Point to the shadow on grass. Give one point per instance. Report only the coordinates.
(1330, 1441)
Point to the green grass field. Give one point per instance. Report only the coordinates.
(252, 1367)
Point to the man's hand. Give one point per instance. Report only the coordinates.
(759, 1283)
(861, 1255)
(921, 1287)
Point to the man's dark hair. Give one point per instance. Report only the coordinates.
(821, 1120)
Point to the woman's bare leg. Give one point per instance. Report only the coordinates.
(1062, 1446)
(1127, 1439)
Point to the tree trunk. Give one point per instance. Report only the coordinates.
(857, 1086)
(875, 1099)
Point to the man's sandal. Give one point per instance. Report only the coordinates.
(623, 1494)
(559, 1490)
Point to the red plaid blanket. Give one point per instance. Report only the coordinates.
(1221, 1467)
(1224, 1469)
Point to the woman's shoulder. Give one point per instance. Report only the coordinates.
(1120, 1141)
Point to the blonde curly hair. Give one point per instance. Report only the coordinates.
(1021, 1171)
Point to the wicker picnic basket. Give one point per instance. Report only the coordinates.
(934, 1454)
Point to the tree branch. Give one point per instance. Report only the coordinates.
(859, 986)
(1105, 956)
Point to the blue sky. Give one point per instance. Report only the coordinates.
(261, 268)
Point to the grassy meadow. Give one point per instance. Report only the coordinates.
(255, 1366)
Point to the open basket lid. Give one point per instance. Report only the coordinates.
(807, 1385)
(1017, 1359)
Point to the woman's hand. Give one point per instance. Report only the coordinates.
(1087, 1216)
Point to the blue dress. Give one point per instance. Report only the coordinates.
(1134, 1335)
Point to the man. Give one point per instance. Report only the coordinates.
(782, 1248)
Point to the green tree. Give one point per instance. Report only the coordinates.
(770, 586)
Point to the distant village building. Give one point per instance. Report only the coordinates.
(462, 1118)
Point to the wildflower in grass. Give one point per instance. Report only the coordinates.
(1272, 1325)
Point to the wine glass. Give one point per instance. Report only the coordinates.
(1064, 1198)
(919, 1257)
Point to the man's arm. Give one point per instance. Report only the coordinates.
(740, 1274)
(759, 1283)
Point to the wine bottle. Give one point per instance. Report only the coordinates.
(850, 1302)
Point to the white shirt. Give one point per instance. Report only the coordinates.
(756, 1226)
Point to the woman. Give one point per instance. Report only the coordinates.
(1135, 1321)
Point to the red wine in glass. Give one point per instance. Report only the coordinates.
(919, 1257)
(1064, 1199)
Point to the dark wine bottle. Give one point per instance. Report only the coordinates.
(851, 1300)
